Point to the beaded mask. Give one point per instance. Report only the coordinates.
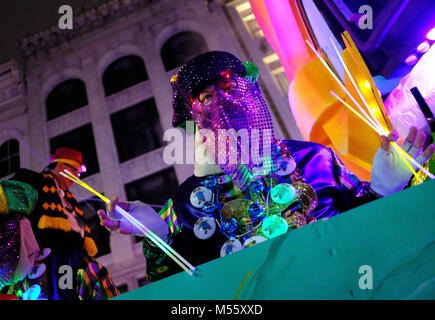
(241, 111)
(240, 127)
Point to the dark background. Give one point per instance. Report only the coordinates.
(19, 18)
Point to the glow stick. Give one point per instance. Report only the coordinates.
(356, 87)
(374, 125)
(396, 147)
(400, 151)
(338, 81)
(126, 215)
(154, 237)
(357, 58)
(415, 163)
(382, 131)
(159, 242)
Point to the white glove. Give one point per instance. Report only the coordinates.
(389, 173)
(142, 212)
(146, 215)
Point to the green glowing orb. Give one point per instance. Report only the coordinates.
(283, 193)
(274, 226)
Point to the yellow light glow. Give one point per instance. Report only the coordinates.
(243, 7)
(270, 58)
(249, 17)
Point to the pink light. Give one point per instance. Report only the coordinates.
(431, 35)
(226, 73)
(411, 60)
(423, 47)
(83, 168)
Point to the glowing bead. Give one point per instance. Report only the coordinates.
(411, 60)
(423, 47)
(210, 182)
(256, 186)
(204, 228)
(209, 207)
(252, 241)
(283, 193)
(230, 225)
(200, 196)
(296, 221)
(431, 35)
(256, 210)
(230, 246)
(285, 166)
(274, 226)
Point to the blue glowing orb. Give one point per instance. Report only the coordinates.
(32, 293)
(256, 186)
(256, 210)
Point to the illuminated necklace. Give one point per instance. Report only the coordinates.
(271, 210)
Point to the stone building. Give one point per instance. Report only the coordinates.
(103, 88)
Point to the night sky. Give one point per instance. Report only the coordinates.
(19, 18)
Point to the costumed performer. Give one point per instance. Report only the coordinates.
(57, 222)
(228, 205)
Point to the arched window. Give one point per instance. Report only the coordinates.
(9, 157)
(137, 130)
(66, 97)
(123, 73)
(182, 47)
(154, 189)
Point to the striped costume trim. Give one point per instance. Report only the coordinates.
(90, 247)
(47, 222)
(167, 213)
(48, 175)
(95, 283)
(78, 211)
(53, 206)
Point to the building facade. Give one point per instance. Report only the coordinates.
(103, 88)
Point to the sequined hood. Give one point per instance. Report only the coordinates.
(200, 72)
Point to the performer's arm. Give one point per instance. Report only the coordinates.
(164, 224)
(354, 192)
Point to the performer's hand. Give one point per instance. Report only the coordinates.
(112, 221)
(142, 212)
(389, 173)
